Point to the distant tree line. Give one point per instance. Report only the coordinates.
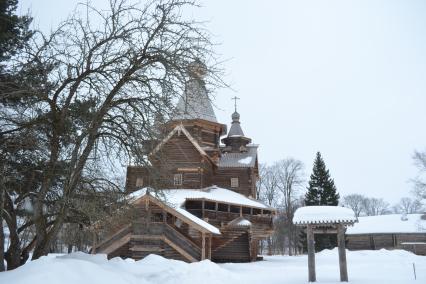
(281, 185)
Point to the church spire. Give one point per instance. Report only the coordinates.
(195, 103)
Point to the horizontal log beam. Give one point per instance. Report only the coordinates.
(325, 231)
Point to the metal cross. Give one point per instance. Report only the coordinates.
(235, 102)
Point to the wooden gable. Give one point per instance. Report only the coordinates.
(179, 153)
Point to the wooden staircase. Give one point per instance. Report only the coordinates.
(114, 242)
(227, 237)
(233, 245)
(166, 241)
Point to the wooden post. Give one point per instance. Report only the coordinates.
(209, 252)
(311, 253)
(342, 253)
(203, 246)
(202, 206)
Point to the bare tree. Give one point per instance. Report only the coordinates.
(268, 192)
(96, 87)
(408, 206)
(420, 181)
(355, 202)
(375, 206)
(268, 185)
(290, 180)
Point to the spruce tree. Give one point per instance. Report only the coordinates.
(14, 32)
(322, 191)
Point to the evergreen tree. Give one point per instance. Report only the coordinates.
(321, 191)
(14, 30)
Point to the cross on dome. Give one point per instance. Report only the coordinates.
(235, 102)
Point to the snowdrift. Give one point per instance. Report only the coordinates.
(365, 267)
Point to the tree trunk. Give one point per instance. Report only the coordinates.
(269, 245)
(2, 268)
(13, 254)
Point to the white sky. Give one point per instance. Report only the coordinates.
(347, 78)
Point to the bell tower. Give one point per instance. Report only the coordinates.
(236, 141)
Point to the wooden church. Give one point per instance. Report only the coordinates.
(197, 197)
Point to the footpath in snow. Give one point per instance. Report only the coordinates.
(364, 267)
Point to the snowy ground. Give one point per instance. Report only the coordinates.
(364, 267)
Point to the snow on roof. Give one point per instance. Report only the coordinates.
(176, 202)
(245, 160)
(323, 214)
(240, 222)
(176, 198)
(391, 223)
(215, 194)
(239, 160)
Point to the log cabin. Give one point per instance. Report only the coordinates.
(393, 231)
(197, 198)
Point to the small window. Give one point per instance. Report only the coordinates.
(177, 179)
(234, 182)
(246, 210)
(193, 204)
(235, 209)
(139, 182)
(157, 217)
(256, 211)
(209, 205)
(222, 207)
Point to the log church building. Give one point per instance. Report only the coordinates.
(197, 197)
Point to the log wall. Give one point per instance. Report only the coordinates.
(387, 241)
(246, 180)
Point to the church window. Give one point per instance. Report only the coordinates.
(177, 179)
(139, 182)
(234, 182)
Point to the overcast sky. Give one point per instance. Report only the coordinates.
(347, 78)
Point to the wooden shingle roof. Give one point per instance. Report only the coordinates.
(239, 159)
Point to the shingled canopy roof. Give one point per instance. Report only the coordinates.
(318, 215)
(325, 220)
(239, 159)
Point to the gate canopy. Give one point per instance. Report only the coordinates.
(324, 215)
(325, 220)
